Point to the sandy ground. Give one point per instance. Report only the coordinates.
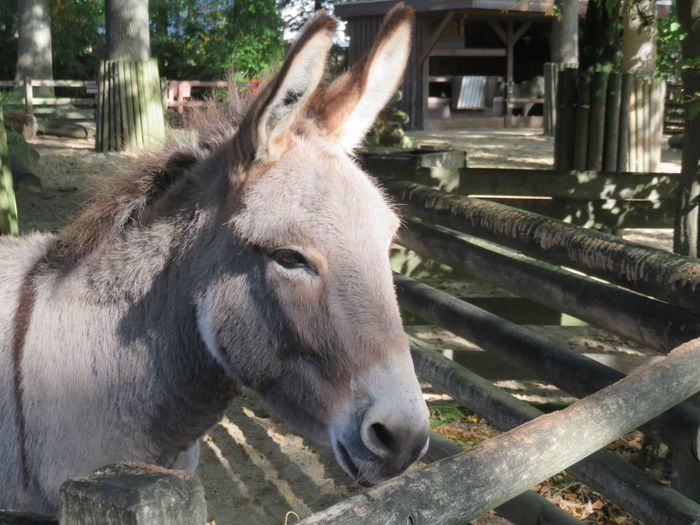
(254, 469)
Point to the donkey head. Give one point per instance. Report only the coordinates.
(304, 310)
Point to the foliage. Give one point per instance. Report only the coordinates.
(387, 130)
(207, 39)
(600, 43)
(8, 38)
(77, 37)
(669, 58)
(202, 39)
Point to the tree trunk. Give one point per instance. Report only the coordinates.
(686, 239)
(129, 103)
(127, 30)
(563, 40)
(600, 43)
(34, 44)
(639, 38)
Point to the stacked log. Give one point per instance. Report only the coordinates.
(129, 106)
(9, 224)
(608, 122)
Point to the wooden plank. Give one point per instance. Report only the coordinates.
(468, 52)
(574, 185)
(100, 108)
(601, 213)
(143, 105)
(64, 101)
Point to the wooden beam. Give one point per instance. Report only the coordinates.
(498, 29)
(521, 31)
(469, 52)
(436, 36)
(666, 276)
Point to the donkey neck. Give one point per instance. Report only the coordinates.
(146, 275)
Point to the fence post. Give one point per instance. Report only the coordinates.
(8, 206)
(29, 95)
(134, 493)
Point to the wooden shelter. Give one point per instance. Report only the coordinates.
(480, 47)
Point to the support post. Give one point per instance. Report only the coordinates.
(134, 493)
(9, 224)
(29, 96)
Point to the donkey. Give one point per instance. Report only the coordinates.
(255, 255)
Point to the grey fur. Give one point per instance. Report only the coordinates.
(168, 294)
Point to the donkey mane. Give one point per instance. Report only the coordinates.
(126, 196)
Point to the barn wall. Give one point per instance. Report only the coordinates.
(362, 31)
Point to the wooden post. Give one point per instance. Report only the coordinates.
(612, 123)
(623, 148)
(134, 493)
(596, 130)
(9, 225)
(512, 462)
(567, 110)
(550, 96)
(583, 101)
(29, 95)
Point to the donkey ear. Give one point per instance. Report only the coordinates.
(348, 106)
(283, 99)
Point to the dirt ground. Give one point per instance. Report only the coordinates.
(255, 470)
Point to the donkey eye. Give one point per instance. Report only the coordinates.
(290, 259)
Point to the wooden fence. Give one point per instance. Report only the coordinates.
(638, 293)
(80, 106)
(603, 121)
(177, 95)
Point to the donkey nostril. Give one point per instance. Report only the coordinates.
(383, 437)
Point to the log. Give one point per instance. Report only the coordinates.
(652, 323)
(506, 465)
(567, 109)
(572, 185)
(612, 123)
(529, 508)
(545, 359)
(596, 127)
(666, 276)
(134, 493)
(580, 128)
(623, 161)
(9, 223)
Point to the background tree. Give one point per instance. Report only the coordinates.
(600, 43)
(34, 58)
(563, 40)
(687, 233)
(639, 37)
(127, 30)
(78, 32)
